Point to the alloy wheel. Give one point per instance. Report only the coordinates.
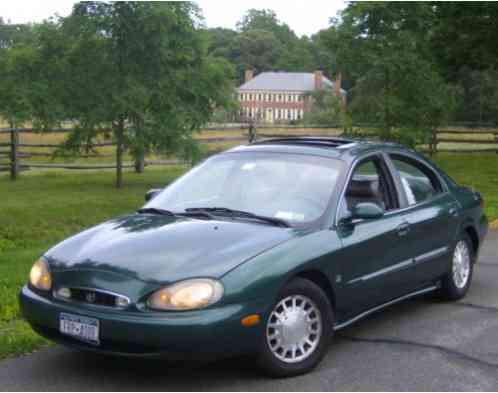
(461, 264)
(294, 329)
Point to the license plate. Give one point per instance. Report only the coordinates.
(83, 328)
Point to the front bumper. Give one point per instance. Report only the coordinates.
(195, 334)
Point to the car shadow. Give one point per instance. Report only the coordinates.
(153, 374)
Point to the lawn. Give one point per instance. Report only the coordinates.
(476, 170)
(42, 208)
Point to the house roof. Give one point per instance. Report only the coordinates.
(285, 81)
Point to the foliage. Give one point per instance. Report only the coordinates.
(13, 34)
(397, 88)
(465, 36)
(263, 43)
(28, 77)
(156, 84)
(153, 74)
(15, 88)
(140, 69)
(326, 109)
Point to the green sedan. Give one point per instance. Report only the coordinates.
(265, 249)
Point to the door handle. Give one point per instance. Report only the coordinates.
(453, 211)
(403, 229)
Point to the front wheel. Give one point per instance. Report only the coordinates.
(298, 330)
(457, 281)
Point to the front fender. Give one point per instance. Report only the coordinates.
(263, 276)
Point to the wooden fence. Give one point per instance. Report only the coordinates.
(14, 158)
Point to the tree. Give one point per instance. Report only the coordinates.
(326, 110)
(12, 34)
(288, 52)
(259, 50)
(263, 43)
(141, 69)
(397, 83)
(465, 36)
(464, 45)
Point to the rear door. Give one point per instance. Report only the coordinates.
(429, 215)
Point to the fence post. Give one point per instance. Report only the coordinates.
(14, 163)
(119, 153)
(433, 144)
(251, 132)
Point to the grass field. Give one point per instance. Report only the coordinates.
(44, 207)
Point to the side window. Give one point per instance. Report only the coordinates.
(418, 181)
(370, 183)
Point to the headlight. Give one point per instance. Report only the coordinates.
(187, 295)
(40, 276)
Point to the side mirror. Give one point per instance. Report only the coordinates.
(151, 194)
(367, 211)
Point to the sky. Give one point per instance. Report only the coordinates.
(305, 17)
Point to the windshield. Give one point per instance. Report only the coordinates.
(294, 188)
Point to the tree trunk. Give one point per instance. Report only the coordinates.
(140, 162)
(387, 113)
(14, 164)
(119, 153)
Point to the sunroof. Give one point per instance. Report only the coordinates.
(309, 141)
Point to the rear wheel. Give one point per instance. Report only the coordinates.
(457, 281)
(298, 330)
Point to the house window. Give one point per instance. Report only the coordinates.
(290, 98)
(280, 97)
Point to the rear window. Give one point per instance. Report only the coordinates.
(418, 181)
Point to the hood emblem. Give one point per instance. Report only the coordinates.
(90, 297)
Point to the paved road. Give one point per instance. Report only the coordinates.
(419, 345)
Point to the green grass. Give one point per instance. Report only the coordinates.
(476, 170)
(44, 207)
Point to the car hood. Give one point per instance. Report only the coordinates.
(165, 249)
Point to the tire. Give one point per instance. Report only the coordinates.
(452, 286)
(296, 298)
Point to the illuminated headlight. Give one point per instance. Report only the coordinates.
(187, 295)
(40, 276)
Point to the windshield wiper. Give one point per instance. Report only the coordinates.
(155, 210)
(164, 212)
(240, 213)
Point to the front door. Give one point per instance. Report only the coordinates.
(372, 259)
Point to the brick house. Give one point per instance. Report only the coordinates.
(272, 97)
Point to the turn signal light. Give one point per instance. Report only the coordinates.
(250, 320)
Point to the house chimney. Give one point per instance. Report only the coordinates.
(249, 75)
(337, 84)
(318, 80)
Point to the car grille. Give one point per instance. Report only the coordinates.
(92, 296)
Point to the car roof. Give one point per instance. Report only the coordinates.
(333, 147)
